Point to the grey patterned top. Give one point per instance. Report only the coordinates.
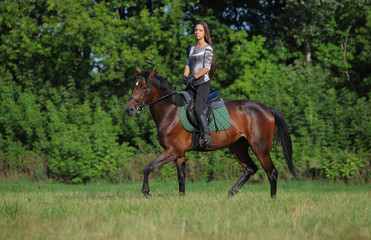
(198, 59)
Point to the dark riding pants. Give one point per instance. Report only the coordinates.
(200, 95)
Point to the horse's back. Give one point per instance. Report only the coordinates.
(252, 117)
(247, 106)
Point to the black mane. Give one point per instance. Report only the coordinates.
(165, 87)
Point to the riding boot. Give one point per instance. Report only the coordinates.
(205, 131)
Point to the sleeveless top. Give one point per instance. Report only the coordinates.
(198, 59)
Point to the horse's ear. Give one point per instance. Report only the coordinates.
(138, 70)
(152, 74)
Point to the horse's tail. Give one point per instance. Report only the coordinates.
(282, 135)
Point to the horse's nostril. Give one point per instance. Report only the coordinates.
(130, 110)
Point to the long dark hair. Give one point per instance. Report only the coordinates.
(208, 40)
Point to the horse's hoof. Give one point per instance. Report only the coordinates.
(147, 194)
(232, 194)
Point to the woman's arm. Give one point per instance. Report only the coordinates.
(201, 73)
(186, 71)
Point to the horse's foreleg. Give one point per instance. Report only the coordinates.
(180, 165)
(164, 158)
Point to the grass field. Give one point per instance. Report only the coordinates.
(302, 210)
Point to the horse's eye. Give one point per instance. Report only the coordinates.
(144, 88)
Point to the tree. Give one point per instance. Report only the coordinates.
(66, 69)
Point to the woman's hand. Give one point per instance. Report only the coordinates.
(182, 80)
(190, 80)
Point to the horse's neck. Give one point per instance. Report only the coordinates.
(162, 111)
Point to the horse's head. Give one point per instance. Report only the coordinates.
(141, 92)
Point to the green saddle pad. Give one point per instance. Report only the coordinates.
(219, 122)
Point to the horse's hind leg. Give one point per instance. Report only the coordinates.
(240, 152)
(265, 159)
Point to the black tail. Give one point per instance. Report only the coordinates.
(282, 135)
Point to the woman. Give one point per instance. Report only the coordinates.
(201, 66)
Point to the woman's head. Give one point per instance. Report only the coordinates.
(202, 30)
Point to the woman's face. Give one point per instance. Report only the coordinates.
(199, 32)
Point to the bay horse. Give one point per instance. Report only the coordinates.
(252, 124)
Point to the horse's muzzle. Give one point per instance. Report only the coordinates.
(131, 110)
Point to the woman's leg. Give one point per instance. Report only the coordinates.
(201, 95)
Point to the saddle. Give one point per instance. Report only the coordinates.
(213, 102)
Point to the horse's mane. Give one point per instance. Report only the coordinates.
(165, 87)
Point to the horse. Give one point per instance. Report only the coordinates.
(252, 124)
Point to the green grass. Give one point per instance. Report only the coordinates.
(302, 210)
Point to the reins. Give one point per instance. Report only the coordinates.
(143, 104)
(163, 97)
(159, 99)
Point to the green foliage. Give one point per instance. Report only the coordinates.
(66, 69)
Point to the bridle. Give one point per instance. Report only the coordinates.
(140, 105)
